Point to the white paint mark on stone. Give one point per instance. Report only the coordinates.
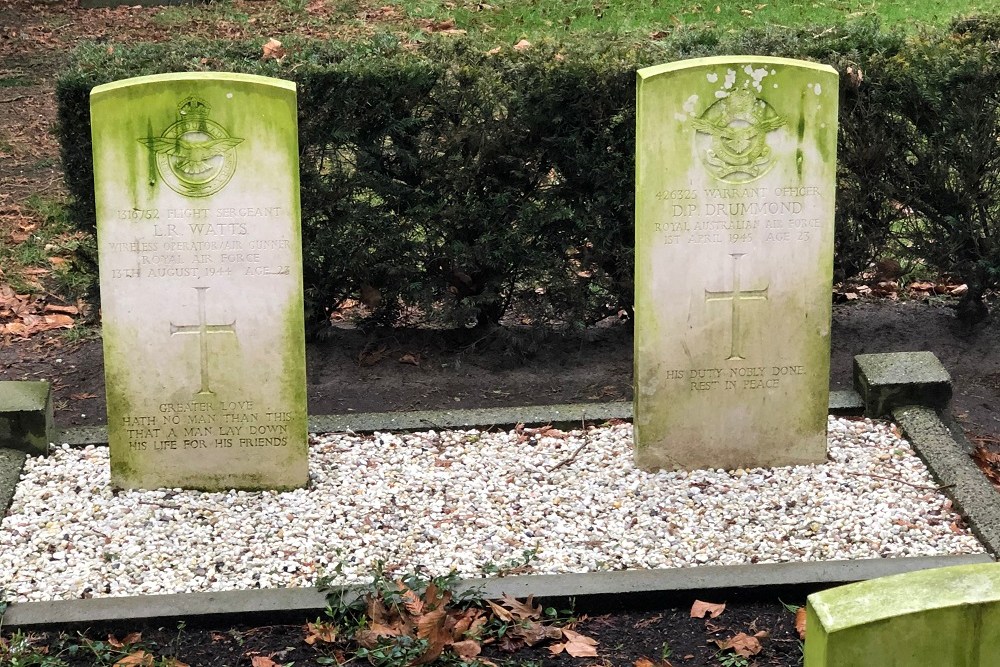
(757, 75)
(689, 105)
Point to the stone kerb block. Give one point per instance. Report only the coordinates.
(944, 617)
(891, 380)
(734, 212)
(26, 416)
(196, 182)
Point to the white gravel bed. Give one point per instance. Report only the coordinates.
(467, 500)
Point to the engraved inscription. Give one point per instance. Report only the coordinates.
(735, 378)
(202, 243)
(207, 424)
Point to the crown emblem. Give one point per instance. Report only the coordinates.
(738, 125)
(193, 107)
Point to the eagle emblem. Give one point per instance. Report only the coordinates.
(195, 156)
(738, 125)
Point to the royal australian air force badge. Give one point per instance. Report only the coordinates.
(195, 156)
(736, 127)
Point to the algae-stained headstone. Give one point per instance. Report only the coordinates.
(929, 618)
(735, 176)
(197, 191)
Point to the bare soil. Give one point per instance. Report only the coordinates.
(645, 634)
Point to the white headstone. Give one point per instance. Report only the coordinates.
(735, 177)
(197, 190)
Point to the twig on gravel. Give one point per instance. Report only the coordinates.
(576, 451)
(14, 99)
(166, 506)
(893, 479)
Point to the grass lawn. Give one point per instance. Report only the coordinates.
(506, 20)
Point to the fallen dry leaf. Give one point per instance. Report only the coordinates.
(262, 661)
(741, 644)
(66, 310)
(274, 49)
(532, 632)
(174, 662)
(800, 622)
(522, 45)
(988, 462)
(699, 609)
(466, 649)
(522, 610)
(137, 659)
(320, 632)
(369, 636)
(500, 612)
(576, 645)
(410, 358)
(430, 627)
(646, 662)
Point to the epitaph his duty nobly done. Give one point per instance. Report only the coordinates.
(197, 189)
(735, 177)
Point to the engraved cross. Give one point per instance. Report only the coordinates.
(736, 295)
(202, 330)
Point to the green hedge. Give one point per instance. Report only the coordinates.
(462, 181)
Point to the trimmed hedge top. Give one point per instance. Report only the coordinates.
(459, 180)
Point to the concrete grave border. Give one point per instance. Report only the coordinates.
(944, 452)
(621, 585)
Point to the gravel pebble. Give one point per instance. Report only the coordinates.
(471, 501)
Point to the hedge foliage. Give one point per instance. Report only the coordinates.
(461, 180)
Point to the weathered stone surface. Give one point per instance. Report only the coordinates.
(11, 464)
(26, 416)
(947, 457)
(196, 179)
(891, 380)
(735, 176)
(946, 616)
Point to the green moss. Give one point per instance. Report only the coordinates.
(942, 616)
(126, 465)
